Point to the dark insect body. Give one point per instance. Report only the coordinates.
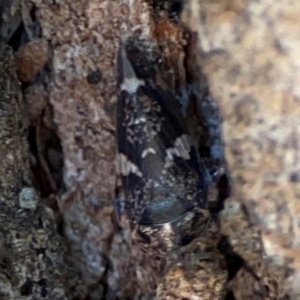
(164, 183)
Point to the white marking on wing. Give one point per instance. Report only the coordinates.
(182, 148)
(148, 151)
(124, 166)
(131, 85)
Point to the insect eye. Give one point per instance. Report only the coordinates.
(163, 211)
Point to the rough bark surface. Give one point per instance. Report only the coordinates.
(249, 52)
(65, 57)
(83, 38)
(33, 262)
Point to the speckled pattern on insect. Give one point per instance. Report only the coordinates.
(164, 183)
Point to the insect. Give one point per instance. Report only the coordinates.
(164, 183)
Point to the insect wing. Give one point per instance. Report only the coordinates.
(162, 176)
